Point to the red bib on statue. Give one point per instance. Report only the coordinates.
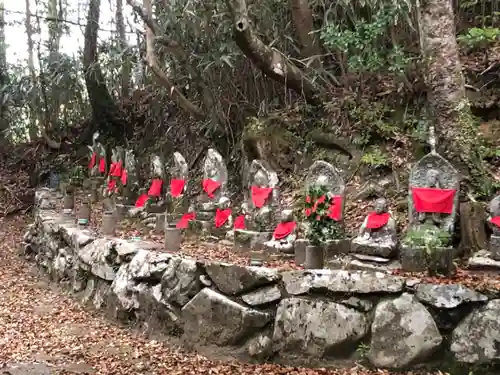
(495, 221)
(141, 201)
(210, 186)
(185, 219)
(177, 187)
(116, 169)
(431, 200)
(124, 177)
(221, 216)
(335, 209)
(93, 159)
(376, 221)
(239, 222)
(155, 189)
(111, 185)
(283, 230)
(259, 195)
(102, 165)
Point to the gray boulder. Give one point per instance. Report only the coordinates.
(403, 332)
(447, 296)
(314, 328)
(477, 338)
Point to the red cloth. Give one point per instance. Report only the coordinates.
(141, 201)
(259, 195)
(221, 216)
(93, 159)
(335, 210)
(116, 169)
(185, 219)
(111, 185)
(124, 177)
(283, 230)
(155, 189)
(210, 186)
(376, 221)
(432, 200)
(177, 187)
(496, 221)
(102, 165)
(239, 222)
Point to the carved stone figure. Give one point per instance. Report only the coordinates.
(157, 185)
(176, 197)
(433, 202)
(214, 183)
(94, 157)
(494, 224)
(129, 180)
(284, 234)
(223, 220)
(377, 235)
(433, 197)
(115, 171)
(322, 173)
(262, 205)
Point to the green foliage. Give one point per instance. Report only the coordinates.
(321, 227)
(428, 236)
(477, 37)
(75, 175)
(361, 43)
(375, 158)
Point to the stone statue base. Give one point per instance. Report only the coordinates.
(385, 247)
(160, 223)
(494, 245)
(416, 259)
(123, 210)
(280, 246)
(155, 208)
(337, 247)
(246, 240)
(173, 239)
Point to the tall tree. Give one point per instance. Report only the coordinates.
(304, 28)
(126, 67)
(4, 124)
(106, 115)
(455, 127)
(34, 99)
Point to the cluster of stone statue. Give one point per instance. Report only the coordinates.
(261, 222)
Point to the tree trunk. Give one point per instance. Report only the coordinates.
(269, 60)
(34, 102)
(455, 128)
(107, 117)
(126, 67)
(304, 27)
(4, 121)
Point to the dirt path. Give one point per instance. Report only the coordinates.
(43, 331)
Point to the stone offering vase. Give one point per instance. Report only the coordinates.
(84, 213)
(173, 239)
(108, 227)
(315, 257)
(68, 202)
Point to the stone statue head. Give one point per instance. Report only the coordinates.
(244, 208)
(260, 178)
(211, 173)
(380, 205)
(432, 178)
(157, 166)
(322, 180)
(130, 160)
(286, 215)
(224, 203)
(114, 155)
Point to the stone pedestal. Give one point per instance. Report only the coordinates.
(108, 224)
(335, 248)
(366, 246)
(315, 257)
(494, 246)
(413, 259)
(160, 223)
(416, 259)
(122, 210)
(300, 251)
(173, 239)
(246, 240)
(69, 202)
(84, 214)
